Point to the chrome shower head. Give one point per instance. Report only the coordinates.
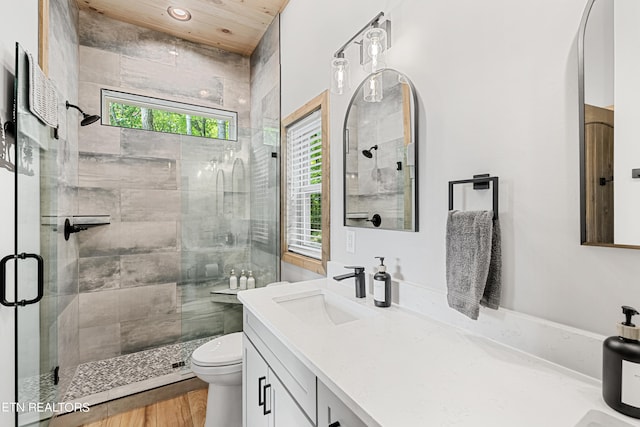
(87, 119)
(369, 153)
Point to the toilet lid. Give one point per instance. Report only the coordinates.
(222, 351)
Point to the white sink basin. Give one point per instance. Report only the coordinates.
(322, 308)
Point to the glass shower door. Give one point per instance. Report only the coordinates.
(30, 273)
(229, 198)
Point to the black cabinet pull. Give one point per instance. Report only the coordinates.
(264, 409)
(261, 399)
(335, 424)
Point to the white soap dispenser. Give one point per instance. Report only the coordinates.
(382, 286)
(251, 281)
(233, 280)
(243, 281)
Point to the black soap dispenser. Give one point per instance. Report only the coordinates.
(382, 285)
(621, 367)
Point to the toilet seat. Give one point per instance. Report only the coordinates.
(223, 351)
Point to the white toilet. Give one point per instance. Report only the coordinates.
(219, 363)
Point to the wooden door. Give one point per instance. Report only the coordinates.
(599, 174)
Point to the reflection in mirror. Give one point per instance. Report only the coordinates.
(608, 68)
(239, 190)
(380, 148)
(220, 193)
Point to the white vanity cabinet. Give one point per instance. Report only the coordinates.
(278, 389)
(332, 412)
(266, 401)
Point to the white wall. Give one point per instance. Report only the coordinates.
(497, 82)
(17, 23)
(626, 153)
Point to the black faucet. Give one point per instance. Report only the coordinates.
(359, 275)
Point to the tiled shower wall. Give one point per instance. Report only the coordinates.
(178, 204)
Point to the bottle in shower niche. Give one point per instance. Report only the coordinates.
(233, 280)
(251, 281)
(243, 281)
(382, 286)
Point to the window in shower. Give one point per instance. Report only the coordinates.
(132, 111)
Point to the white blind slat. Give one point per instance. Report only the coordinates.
(304, 161)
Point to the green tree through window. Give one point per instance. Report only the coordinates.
(138, 112)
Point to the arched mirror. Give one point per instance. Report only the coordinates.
(609, 66)
(380, 152)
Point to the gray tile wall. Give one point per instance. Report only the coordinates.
(143, 278)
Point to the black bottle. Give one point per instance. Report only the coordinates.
(621, 367)
(382, 286)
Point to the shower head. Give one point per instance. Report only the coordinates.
(87, 119)
(369, 153)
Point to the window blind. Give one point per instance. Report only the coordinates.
(304, 186)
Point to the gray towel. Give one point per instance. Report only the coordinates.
(473, 261)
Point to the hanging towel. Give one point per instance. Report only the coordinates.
(43, 98)
(473, 261)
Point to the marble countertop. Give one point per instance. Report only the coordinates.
(398, 368)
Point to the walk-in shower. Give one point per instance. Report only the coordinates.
(156, 221)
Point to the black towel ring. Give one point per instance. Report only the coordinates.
(480, 182)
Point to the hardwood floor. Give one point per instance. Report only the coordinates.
(187, 410)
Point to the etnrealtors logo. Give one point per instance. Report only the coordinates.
(44, 407)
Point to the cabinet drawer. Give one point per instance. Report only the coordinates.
(296, 378)
(332, 410)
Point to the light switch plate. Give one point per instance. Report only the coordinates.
(351, 242)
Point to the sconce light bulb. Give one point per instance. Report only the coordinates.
(339, 75)
(375, 42)
(373, 88)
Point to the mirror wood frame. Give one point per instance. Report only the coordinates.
(43, 35)
(412, 125)
(581, 121)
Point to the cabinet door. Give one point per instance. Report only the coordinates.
(255, 379)
(332, 412)
(285, 412)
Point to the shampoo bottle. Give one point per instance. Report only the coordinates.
(382, 286)
(233, 280)
(243, 281)
(251, 281)
(621, 367)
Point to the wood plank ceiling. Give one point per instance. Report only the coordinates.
(232, 25)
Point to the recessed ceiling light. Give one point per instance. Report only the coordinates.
(178, 13)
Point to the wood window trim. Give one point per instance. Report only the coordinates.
(320, 102)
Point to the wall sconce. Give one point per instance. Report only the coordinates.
(374, 40)
(374, 48)
(373, 88)
(340, 75)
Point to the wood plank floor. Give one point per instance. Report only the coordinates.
(187, 410)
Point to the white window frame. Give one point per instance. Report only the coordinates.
(297, 248)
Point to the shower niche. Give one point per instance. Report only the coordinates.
(380, 153)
